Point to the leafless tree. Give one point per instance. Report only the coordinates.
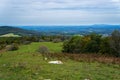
(44, 51)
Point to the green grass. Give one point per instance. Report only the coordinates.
(26, 64)
(33, 47)
(10, 35)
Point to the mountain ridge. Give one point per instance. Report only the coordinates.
(71, 30)
(59, 30)
(18, 31)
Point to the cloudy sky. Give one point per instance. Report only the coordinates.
(59, 12)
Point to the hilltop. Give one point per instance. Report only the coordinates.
(10, 35)
(17, 31)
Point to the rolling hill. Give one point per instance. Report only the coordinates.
(59, 30)
(10, 35)
(17, 31)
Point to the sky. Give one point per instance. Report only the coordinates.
(59, 12)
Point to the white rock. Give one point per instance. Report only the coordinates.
(55, 62)
(86, 79)
(47, 79)
(46, 59)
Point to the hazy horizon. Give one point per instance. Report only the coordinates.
(61, 25)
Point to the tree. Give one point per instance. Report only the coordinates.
(115, 42)
(78, 44)
(93, 44)
(73, 45)
(105, 46)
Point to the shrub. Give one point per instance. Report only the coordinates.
(44, 51)
(56, 40)
(26, 42)
(78, 44)
(115, 42)
(105, 46)
(2, 46)
(12, 47)
(92, 45)
(73, 45)
(41, 40)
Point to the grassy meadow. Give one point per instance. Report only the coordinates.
(33, 47)
(27, 64)
(10, 35)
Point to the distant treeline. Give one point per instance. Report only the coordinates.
(4, 41)
(94, 43)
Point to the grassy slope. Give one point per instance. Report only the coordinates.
(33, 47)
(26, 64)
(10, 35)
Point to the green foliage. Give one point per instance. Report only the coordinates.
(93, 45)
(105, 46)
(78, 44)
(115, 42)
(73, 45)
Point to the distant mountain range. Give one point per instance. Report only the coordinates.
(59, 30)
(72, 30)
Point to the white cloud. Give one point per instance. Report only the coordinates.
(117, 1)
(59, 11)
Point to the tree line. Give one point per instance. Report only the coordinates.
(94, 43)
(4, 41)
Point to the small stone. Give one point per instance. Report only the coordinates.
(47, 79)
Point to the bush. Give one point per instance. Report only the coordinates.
(105, 46)
(43, 50)
(56, 40)
(86, 44)
(26, 42)
(73, 45)
(41, 40)
(12, 47)
(93, 44)
(115, 42)
(2, 46)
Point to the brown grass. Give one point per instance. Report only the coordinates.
(87, 57)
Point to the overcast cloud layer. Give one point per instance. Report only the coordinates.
(65, 12)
